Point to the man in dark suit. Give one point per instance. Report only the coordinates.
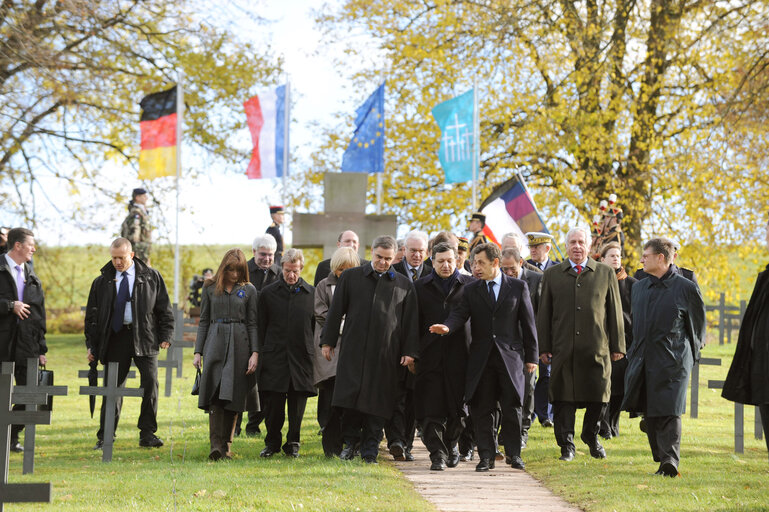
(128, 317)
(439, 382)
(346, 239)
(401, 428)
(504, 342)
(539, 247)
(276, 214)
(512, 266)
(22, 312)
(262, 270)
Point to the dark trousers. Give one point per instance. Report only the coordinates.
(764, 410)
(331, 438)
(664, 433)
(467, 436)
(440, 436)
(366, 429)
(495, 387)
(402, 426)
(120, 349)
(20, 377)
(255, 418)
(542, 408)
(563, 421)
(527, 412)
(275, 416)
(610, 418)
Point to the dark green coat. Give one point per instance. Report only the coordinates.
(580, 322)
(668, 331)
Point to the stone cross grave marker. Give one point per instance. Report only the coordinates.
(179, 344)
(111, 391)
(33, 388)
(739, 420)
(169, 363)
(344, 208)
(695, 383)
(26, 492)
(21, 396)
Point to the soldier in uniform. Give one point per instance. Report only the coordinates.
(539, 247)
(136, 226)
(477, 223)
(276, 213)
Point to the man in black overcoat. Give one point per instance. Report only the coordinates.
(513, 266)
(504, 342)
(682, 271)
(346, 239)
(262, 270)
(668, 332)
(22, 313)
(285, 319)
(129, 317)
(380, 336)
(441, 371)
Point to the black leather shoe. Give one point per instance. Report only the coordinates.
(408, 457)
(669, 469)
(642, 425)
(438, 465)
(517, 463)
(16, 447)
(567, 455)
(150, 441)
(215, 455)
(485, 465)
(370, 460)
(99, 445)
(596, 450)
(267, 452)
(292, 453)
(467, 456)
(397, 451)
(347, 453)
(548, 423)
(605, 435)
(453, 458)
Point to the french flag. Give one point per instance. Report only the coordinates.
(266, 117)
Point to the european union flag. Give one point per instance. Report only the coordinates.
(366, 150)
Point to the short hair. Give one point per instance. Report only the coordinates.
(232, 258)
(447, 237)
(443, 247)
(611, 245)
(292, 256)
(266, 240)
(512, 252)
(385, 242)
(121, 242)
(339, 238)
(573, 230)
(401, 242)
(512, 236)
(662, 246)
(344, 257)
(491, 250)
(417, 235)
(17, 235)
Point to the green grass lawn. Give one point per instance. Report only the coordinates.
(179, 476)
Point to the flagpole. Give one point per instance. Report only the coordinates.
(476, 144)
(179, 128)
(521, 180)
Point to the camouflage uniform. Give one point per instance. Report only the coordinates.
(136, 228)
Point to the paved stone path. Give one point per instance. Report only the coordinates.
(462, 489)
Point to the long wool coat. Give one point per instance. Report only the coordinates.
(285, 320)
(226, 339)
(748, 379)
(439, 386)
(668, 331)
(324, 292)
(381, 322)
(580, 322)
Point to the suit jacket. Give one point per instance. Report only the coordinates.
(509, 324)
(549, 263)
(324, 269)
(260, 278)
(25, 338)
(424, 269)
(534, 281)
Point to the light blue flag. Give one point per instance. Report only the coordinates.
(365, 153)
(455, 119)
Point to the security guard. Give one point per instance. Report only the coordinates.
(136, 226)
(477, 223)
(277, 212)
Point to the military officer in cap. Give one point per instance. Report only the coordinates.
(539, 247)
(463, 251)
(277, 212)
(477, 223)
(136, 226)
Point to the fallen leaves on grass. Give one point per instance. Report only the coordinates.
(200, 493)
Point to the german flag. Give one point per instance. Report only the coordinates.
(158, 135)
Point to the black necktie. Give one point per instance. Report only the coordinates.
(491, 293)
(413, 274)
(120, 301)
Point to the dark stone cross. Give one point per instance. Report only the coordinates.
(739, 420)
(727, 313)
(26, 492)
(110, 392)
(179, 344)
(695, 380)
(34, 390)
(344, 197)
(169, 363)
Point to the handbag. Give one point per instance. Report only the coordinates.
(196, 384)
(45, 378)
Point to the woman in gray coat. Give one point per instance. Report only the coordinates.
(324, 372)
(226, 343)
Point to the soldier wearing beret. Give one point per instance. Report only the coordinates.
(136, 226)
(277, 213)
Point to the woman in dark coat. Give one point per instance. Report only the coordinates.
(611, 254)
(748, 379)
(324, 372)
(226, 343)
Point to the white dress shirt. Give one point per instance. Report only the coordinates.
(130, 274)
